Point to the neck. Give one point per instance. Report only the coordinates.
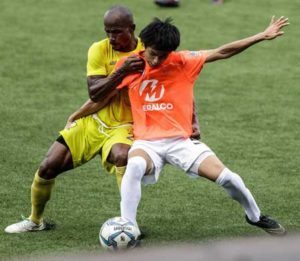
(132, 46)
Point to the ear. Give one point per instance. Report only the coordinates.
(133, 27)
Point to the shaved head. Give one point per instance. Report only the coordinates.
(120, 15)
(119, 27)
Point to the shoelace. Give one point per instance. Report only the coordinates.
(268, 220)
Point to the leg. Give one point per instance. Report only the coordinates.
(118, 156)
(138, 164)
(57, 160)
(213, 169)
(73, 148)
(114, 151)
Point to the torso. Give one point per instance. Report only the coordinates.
(101, 61)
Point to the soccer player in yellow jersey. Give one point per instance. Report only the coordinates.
(106, 131)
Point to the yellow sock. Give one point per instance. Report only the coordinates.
(40, 194)
(119, 175)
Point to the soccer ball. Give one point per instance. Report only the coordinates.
(118, 233)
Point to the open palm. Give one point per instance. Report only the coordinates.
(274, 29)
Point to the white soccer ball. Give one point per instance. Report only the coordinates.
(118, 233)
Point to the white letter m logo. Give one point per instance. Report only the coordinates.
(152, 95)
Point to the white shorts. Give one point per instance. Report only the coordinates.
(182, 153)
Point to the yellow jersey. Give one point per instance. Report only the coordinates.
(101, 61)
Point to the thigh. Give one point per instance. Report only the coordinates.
(155, 162)
(115, 148)
(57, 160)
(183, 153)
(84, 140)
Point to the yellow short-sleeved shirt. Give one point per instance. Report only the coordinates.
(101, 61)
(88, 137)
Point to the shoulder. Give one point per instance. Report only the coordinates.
(102, 46)
(139, 46)
(187, 54)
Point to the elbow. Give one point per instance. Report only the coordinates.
(94, 98)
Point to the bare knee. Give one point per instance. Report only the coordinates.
(48, 170)
(211, 168)
(57, 160)
(119, 154)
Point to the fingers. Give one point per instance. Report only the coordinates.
(133, 64)
(272, 19)
(281, 22)
(134, 59)
(137, 63)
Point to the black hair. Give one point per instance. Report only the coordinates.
(161, 35)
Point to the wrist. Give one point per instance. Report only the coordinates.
(261, 36)
(117, 77)
(121, 73)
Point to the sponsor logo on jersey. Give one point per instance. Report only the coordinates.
(158, 106)
(154, 93)
(195, 53)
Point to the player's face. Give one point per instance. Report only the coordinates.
(120, 37)
(155, 57)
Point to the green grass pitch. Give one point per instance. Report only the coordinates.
(248, 110)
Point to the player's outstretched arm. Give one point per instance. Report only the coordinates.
(88, 108)
(231, 49)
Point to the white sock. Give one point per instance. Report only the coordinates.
(236, 188)
(131, 191)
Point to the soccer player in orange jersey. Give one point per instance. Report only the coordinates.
(162, 100)
(105, 131)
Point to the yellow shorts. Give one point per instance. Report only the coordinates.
(86, 139)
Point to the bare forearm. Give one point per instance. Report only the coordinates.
(236, 47)
(228, 50)
(231, 49)
(88, 108)
(102, 87)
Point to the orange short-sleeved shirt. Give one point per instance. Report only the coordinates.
(162, 97)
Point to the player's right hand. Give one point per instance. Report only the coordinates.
(274, 29)
(133, 64)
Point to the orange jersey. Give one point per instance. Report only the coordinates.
(162, 97)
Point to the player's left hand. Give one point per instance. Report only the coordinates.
(196, 132)
(274, 29)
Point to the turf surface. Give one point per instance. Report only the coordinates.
(248, 110)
